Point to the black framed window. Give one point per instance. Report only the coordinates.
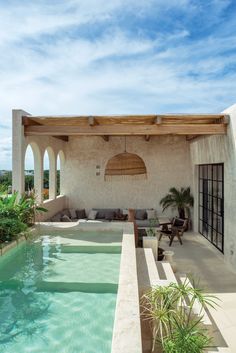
(211, 203)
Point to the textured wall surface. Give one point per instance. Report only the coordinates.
(167, 160)
(52, 206)
(220, 149)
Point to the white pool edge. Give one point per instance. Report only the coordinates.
(126, 330)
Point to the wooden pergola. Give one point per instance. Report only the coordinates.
(189, 125)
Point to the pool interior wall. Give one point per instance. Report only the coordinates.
(58, 292)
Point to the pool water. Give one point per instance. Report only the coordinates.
(58, 293)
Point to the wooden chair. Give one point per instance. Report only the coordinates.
(178, 226)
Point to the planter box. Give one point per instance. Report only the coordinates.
(151, 242)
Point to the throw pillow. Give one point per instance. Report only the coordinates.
(80, 214)
(141, 214)
(125, 211)
(65, 218)
(92, 215)
(151, 214)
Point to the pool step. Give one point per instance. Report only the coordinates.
(60, 287)
(79, 249)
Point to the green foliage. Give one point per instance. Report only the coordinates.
(23, 209)
(151, 230)
(176, 328)
(181, 200)
(185, 339)
(10, 228)
(6, 179)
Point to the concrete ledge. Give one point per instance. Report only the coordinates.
(8, 246)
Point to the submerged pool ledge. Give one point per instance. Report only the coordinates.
(127, 330)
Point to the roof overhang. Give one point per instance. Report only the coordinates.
(190, 125)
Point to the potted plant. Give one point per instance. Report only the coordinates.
(182, 200)
(175, 326)
(150, 240)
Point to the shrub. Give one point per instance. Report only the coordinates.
(23, 209)
(176, 328)
(10, 229)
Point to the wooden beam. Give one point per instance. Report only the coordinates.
(28, 121)
(91, 121)
(119, 130)
(63, 138)
(158, 120)
(147, 137)
(105, 138)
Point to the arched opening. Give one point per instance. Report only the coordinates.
(29, 169)
(60, 166)
(46, 176)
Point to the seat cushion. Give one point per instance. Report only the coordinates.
(101, 212)
(80, 214)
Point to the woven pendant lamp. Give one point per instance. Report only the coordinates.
(125, 166)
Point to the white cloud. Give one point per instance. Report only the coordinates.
(46, 67)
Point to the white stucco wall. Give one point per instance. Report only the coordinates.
(220, 149)
(167, 160)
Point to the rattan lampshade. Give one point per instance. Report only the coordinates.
(125, 165)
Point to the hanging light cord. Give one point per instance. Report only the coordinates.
(125, 144)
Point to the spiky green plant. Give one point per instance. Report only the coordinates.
(182, 200)
(169, 310)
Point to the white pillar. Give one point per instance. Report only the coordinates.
(18, 151)
(52, 175)
(38, 175)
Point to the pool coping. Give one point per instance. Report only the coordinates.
(127, 328)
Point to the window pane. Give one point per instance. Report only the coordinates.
(220, 172)
(209, 172)
(214, 172)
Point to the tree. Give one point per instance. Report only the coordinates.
(181, 200)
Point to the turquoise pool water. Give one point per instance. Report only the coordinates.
(58, 293)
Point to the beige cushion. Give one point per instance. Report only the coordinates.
(151, 214)
(125, 211)
(92, 214)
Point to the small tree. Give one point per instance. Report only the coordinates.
(182, 200)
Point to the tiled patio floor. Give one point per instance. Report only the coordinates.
(198, 258)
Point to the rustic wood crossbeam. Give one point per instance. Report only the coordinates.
(140, 125)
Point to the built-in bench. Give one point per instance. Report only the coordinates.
(144, 218)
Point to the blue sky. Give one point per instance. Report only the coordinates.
(119, 56)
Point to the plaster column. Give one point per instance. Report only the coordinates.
(38, 175)
(52, 175)
(18, 151)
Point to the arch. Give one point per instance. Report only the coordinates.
(32, 158)
(60, 171)
(29, 169)
(49, 174)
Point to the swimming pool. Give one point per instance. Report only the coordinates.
(58, 293)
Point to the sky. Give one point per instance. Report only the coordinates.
(115, 57)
